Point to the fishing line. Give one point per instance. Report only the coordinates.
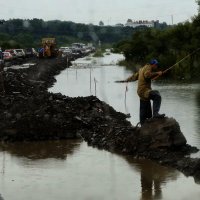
(177, 63)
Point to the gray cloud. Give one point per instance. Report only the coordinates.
(92, 11)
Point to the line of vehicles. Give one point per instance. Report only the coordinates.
(76, 50)
(12, 54)
(48, 49)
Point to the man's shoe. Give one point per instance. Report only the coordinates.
(157, 115)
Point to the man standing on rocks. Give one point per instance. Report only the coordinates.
(145, 92)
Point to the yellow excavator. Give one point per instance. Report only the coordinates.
(49, 47)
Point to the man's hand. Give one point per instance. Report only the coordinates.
(160, 73)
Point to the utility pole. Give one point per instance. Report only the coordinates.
(172, 18)
(99, 44)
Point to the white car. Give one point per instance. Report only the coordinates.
(20, 53)
(66, 52)
(61, 49)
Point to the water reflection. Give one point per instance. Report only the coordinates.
(153, 177)
(42, 150)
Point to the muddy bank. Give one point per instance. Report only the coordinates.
(29, 113)
(159, 139)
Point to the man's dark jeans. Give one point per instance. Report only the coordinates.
(145, 106)
(145, 110)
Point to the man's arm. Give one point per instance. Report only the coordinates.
(150, 75)
(131, 78)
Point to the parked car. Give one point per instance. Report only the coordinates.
(75, 53)
(12, 52)
(61, 49)
(7, 56)
(67, 53)
(31, 52)
(20, 53)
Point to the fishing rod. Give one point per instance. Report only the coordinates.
(177, 63)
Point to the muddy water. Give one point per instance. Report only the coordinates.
(72, 170)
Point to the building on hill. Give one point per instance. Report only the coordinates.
(119, 25)
(149, 24)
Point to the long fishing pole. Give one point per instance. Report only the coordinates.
(177, 63)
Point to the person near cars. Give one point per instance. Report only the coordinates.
(145, 92)
(1, 54)
(2, 90)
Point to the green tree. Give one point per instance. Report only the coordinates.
(198, 2)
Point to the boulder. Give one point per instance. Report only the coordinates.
(163, 132)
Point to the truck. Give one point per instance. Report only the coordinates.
(48, 47)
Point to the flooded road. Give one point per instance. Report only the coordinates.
(97, 77)
(73, 170)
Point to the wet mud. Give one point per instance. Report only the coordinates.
(29, 112)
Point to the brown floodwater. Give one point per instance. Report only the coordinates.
(73, 170)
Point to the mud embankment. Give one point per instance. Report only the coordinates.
(30, 112)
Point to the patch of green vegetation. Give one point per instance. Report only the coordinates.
(98, 53)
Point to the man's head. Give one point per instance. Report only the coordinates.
(154, 63)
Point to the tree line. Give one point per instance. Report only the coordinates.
(28, 33)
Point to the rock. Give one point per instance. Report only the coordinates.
(163, 132)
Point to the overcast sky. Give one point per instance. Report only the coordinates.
(92, 11)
